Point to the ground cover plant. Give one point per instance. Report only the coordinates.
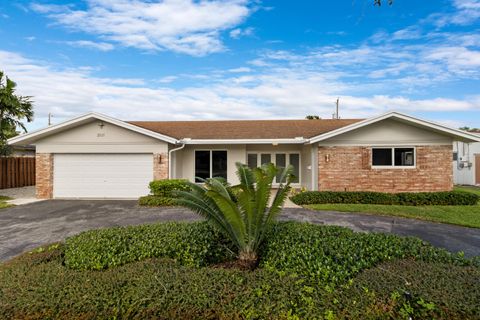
(305, 272)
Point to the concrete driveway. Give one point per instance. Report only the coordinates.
(25, 227)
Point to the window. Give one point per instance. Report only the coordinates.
(210, 164)
(280, 159)
(393, 157)
(252, 159)
(455, 156)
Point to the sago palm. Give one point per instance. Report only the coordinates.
(243, 212)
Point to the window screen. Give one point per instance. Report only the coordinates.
(252, 160)
(280, 162)
(202, 165)
(265, 158)
(219, 164)
(382, 156)
(295, 162)
(404, 157)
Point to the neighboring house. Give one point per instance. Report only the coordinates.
(466, 162)
(95, 156)
(23, 151)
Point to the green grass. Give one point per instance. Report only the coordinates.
(467, 216)
(3, 203)
(471, 189)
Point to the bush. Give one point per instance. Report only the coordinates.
(449, 198)
(155, 201)
(333, 255)
(407, 288)
(165, 188)
(191, 244)
(162, 192)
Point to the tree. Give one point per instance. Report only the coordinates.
(312, 117)
(379, 2)
(13, 110)
(241, 212)
(468, 129)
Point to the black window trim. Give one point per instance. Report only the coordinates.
(393, 166)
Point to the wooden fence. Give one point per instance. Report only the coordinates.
(17, 172)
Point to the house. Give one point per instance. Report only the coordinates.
(466, 162)
(96, 156)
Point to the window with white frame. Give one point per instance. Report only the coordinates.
(280, 159)
(393, 157)
(210, 164)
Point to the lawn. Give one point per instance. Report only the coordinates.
(468, 216)
(3, 203)
(175, 271)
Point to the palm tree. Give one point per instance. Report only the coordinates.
(13, 109)
(241, 212)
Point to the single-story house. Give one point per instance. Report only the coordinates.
(96, 156)
(466, 162)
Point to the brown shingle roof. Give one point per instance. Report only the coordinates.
(244, 129)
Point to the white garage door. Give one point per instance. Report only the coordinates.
(101, 175)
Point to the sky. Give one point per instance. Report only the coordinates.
(240, 59)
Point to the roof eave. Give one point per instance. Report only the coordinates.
(456, 133)
(31, 137)
(243, 141)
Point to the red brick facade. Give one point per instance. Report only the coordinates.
(349, 169)
(160, 166)
(44, 175)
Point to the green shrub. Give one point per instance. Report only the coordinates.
(150, 289)
(448, 198)
(165, 188)
(411, 288)
(155, 201)
(192, 244)
(333, 255)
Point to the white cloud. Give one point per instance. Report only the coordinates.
(186, 26)
(238, 32)
(278, 92)
(102, 46)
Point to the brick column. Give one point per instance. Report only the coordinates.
(44, 175)
(160, 166)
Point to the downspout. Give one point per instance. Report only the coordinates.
(170, 159)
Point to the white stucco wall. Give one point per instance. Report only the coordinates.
(388, 132)
(466, 154)
(91, 138)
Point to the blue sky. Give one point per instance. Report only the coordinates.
(239, 59)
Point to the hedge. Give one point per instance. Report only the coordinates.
(448, 198)
(155, 201)
(161, 192)
(332, 255)
(191, 244)
(321, 253)
(165, 188)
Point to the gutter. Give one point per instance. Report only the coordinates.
(170, 159)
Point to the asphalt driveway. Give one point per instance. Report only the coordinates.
(25, 227)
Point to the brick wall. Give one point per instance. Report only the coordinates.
(349, 168)
(44, 175)
(160, 166)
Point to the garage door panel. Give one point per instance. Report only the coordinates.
(102, 175)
